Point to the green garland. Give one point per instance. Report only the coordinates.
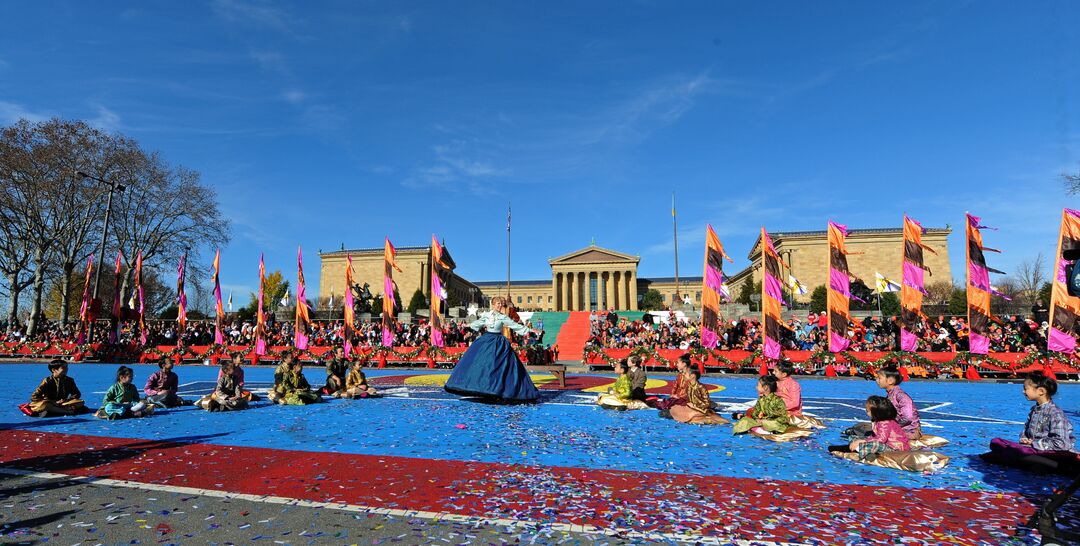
(820, 359)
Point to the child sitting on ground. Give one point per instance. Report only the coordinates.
(887, 433)
(161, 386)
(637, 377)
(56, 395)
(791, 393)
(678, 387)
(618, 396)
(280, 372)
(356, 385)
(295, 389)
(336, 370)
(907, 416)
(1047, 443)
(228, 395)
(122, 399)
(769, 412)
(698, 407)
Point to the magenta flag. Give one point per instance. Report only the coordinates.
(260, 315)
(300, 338)
(84, 309)
(219, 311)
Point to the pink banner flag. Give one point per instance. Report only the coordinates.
(219, 310)
(350, 319)
(141, 309)
(389, 264)
(84, 309)
(181, 301)
(118, 305)
(303, 320)
(260, 315)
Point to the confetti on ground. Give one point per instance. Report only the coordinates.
(564, 471)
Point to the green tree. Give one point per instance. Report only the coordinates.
(418, 301)
(651, 300)
(890, 304)
(819, 299)
(958, 302)
(744, 293)
(1044, 294)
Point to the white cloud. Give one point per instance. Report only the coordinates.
(271, 61)
(457, 164)
(106, 119)
(294, 96)
(11, 113)
(258, 14)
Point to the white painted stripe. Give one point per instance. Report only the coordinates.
(434, 516)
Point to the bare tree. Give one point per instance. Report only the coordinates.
(938, 293)
(1030, 276)
(164, 213)
(1072, 182)
(14, 257)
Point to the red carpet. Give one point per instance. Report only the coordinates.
(573, 335)
(747, 508)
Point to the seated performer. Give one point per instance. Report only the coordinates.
(638, 378)
(356, 385)
(769, 412)
(490, 368)
(228, 395)
(678, 388)
(698, 408)
(791, 393)
(887, 433)
(618, 396)
(122, 399)
(336, 369)
(56, 395)
(295, 389)
(238, 373)
(889, 378)
(1047, 443)
(161, 386)
(282, 369)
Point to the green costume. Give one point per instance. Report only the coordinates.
(769, 413)
(296, 391)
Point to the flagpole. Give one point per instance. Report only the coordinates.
(675, 233)
(507, 250)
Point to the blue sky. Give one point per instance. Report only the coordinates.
(323, 123)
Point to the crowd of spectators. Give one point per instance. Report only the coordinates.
(937, 334)
(278, 333)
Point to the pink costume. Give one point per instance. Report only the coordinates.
(788, 389)
(892, 435)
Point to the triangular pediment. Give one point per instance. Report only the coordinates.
(594, 254)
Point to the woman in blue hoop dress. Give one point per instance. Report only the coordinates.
(490, 368)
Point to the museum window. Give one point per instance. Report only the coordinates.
(529, 299)
(519, 299)
(699, 296)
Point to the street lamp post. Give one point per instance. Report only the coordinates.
(114, 187)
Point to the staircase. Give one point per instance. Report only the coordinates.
(572, 336)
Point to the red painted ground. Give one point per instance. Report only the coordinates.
(671, 503)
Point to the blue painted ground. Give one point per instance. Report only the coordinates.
(568, 430)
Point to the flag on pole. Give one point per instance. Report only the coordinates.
(349, 317)
(388, 303)
(300, 337)
(978, 288)
(1065, 306)
(181, 300)
(713, 291)
(839, 289)
(84, 309)
(284, 301)
(883, 285)
(230, 301)
(795, 285)
(260, 315)
(141, 309)
(438, 294)
(912, 285)
(508, 217)
(330, 303)
(219, 312)
(771, 297)
(117, 306)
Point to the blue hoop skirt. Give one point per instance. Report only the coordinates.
(490, 368)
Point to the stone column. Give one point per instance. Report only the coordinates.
(555, 288)
(581, 278)
(632, 287)
(620, 298)
(609, 288)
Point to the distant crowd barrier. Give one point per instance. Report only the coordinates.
(427, 355)
(960, 364)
